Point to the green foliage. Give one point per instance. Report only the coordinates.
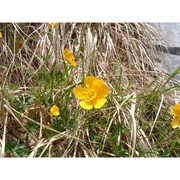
(22, 103)
(118, 150)
(31, 127)
(16, 149)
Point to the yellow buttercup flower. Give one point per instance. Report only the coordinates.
(52, 25)
(93, 95)
(54, 110)
(69, 57)
(175, 110)
(176, 122)
(0, 34)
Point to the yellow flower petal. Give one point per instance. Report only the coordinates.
(79, 92)
(175, 122)
(0, 34)
(69, 57)
(93, 95)
(89, 80)
(86, 105)
(175, 110)
(100, 103)
(54, 110)
(101, 88)
(73, 63)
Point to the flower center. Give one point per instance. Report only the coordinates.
(91, 94)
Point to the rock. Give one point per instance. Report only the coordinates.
(170, 63)
(170, 32)
(168, 48)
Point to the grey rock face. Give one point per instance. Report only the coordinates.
(171, 63)
(170, 32)
(169, 51)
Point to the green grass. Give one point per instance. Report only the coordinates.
(135, 121)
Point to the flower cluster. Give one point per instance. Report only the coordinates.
(92, 95)
(175, 110)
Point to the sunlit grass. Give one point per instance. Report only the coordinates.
(40, 112)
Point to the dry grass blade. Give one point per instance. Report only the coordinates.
(4, 135)
(160, 106)
(35, 149)
(134, 124)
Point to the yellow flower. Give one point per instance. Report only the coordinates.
(93, 95)
(175, 110)
(0, 34)
(54, 110)
(69, 57)
(176, 122)
(52, 25)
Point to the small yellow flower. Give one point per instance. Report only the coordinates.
(175, 110)
(69, 57)
(52, 25)
(0, 34)
(93, 95)
(54, 110)
(176, 122)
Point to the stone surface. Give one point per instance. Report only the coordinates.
(170, 63)
(170, 33)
